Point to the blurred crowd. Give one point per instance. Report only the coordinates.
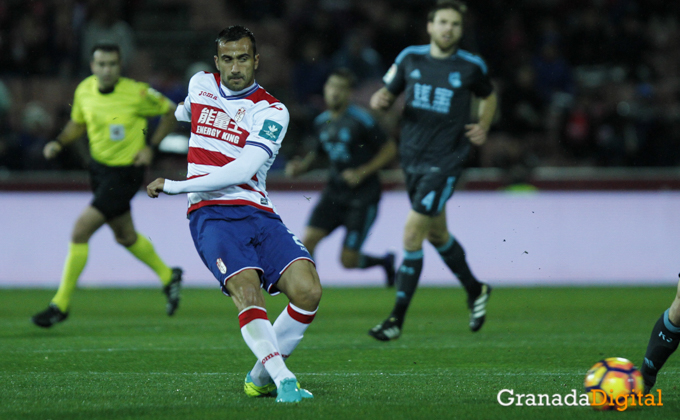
(581, 82)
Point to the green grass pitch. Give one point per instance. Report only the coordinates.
(119, 356)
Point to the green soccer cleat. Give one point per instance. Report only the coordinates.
(252, 390)
(477, 308)
(268, 390)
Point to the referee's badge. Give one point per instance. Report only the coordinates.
(221, 266)
(454, 79)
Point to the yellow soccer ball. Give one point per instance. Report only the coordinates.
(612, 383)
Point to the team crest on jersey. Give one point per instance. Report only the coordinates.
(221, 266)
(270, 130)
(240, 114)
(454, 79)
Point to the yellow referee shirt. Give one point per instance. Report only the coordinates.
(116, 122)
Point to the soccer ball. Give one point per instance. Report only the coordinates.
(612, 382)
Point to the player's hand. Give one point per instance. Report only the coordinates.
(52, 149)
(144, 157)
(155, 188)
(293, 168)
(381, 100)
(476, 133)
(353, 177)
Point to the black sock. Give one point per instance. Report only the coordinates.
(366, 261)
(407, 282)
(454, 256)
(662, 343)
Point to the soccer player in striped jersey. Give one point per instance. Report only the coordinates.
(113, 110)
(357, 148)
(439, 80)
(236, 132)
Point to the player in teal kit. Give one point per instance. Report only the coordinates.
(438, 80)
(357, 148)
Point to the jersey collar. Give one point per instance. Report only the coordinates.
(230, 95)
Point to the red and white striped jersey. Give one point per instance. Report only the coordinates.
(222, 124)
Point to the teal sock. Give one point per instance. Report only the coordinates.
(407, 282)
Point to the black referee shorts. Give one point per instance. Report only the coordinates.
(429, 192)
(114, 187)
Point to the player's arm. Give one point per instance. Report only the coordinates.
(382, 100)
(385, 155)
(299, 166)
(487, 108)
(166, 125)
(72, 132)
(183, 111)
(236, 172)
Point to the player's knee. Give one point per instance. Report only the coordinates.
(308, 294)
(413, 241)
(126, 239)
(81, 233)
(437, 239)
(349, 259)
(313, 296)
(348, 263)
(244, 289)
(79, 237)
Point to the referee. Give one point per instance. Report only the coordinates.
(114, 111)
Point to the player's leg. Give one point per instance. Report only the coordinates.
(313, 235)
(358, 220)
(325, 218)
(226, 238)
(662, 342)
(288, 268)
(350, 258)
(121, 187)
(300, 283)
(124, 231)
(258, 333)
(364, 260)
(453, 255)
(415, 231)
(87, 224)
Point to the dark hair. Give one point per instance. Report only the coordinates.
(234, 33)
(456, 5)
(105, 47)
(346, 74)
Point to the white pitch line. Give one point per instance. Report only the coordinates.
(332, 374)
